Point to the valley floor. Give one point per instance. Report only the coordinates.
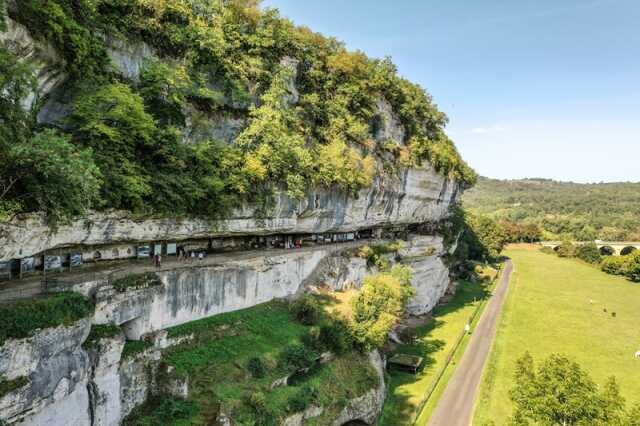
(562, 306)
(433, 342)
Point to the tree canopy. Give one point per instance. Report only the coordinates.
(561, 393)
(560, 210)
(309, 106)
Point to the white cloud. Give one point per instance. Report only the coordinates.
(491, 129)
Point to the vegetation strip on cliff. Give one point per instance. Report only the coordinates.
(20, 319)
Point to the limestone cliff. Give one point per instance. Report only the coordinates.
(68, 384)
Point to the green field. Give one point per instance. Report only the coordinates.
(558, 305)
(434, 341)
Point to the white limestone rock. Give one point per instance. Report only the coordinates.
(387, 126)
(57, 369)
(48, 65)
(104, 385)
(417, 196)
(129, 57)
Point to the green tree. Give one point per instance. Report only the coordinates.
(566, 249)
(113, 122)
(614, 265)
(379, 305)
(632, 266)
(54, 176)
(561, 393)
(588, 252)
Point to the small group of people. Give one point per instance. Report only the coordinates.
(157, 260)
(189, 257)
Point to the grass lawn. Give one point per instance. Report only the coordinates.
(557, 305)
(434, 342)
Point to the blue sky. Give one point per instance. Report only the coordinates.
(532, 88)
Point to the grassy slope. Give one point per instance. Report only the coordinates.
(435, 341)
(548, 310)
(216, 364)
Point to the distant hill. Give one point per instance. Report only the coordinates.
(607, 211)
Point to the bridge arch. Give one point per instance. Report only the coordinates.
(627, 250)
(355, 423)
(607, 251)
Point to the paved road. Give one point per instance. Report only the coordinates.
(455, 407)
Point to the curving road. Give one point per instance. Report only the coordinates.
(455, 407)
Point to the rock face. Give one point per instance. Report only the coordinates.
(58, 373)
(192, 293)
(44, 59)
(101, 388)
(104, 387)
(366, 408)
(418, 196)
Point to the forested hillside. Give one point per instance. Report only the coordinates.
(303, 109)
(551, 210)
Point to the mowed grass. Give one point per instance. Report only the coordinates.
(557, 305)
(434, 341)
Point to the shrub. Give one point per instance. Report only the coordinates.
(136, 281)
(258, 402)
(8, 386)
(100, 332)
(374, 254)
(163, 410)
(21, 319)
(307, 310)
(311, 340)
(256, 367)
(134, 347)
(297, 356)
(566, 249)
(613, 265)
(336, 336)
(632, 266)
(547, 250)
(588, 252)
(379, 305)
(303, 398)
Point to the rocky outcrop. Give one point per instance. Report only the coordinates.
(366, 408)
(418, 196)
(47, 64)
(101, 388)
(129, 58)
(423, 254)
(57, 369)
(104, 386)
(387, 124)
(136, 379)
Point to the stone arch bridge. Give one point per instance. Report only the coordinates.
(607, 248)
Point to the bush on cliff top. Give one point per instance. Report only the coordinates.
(21, 319)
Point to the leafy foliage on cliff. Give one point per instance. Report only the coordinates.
(309, 122)
(379, 305)
(562, 210)
(21, 319)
